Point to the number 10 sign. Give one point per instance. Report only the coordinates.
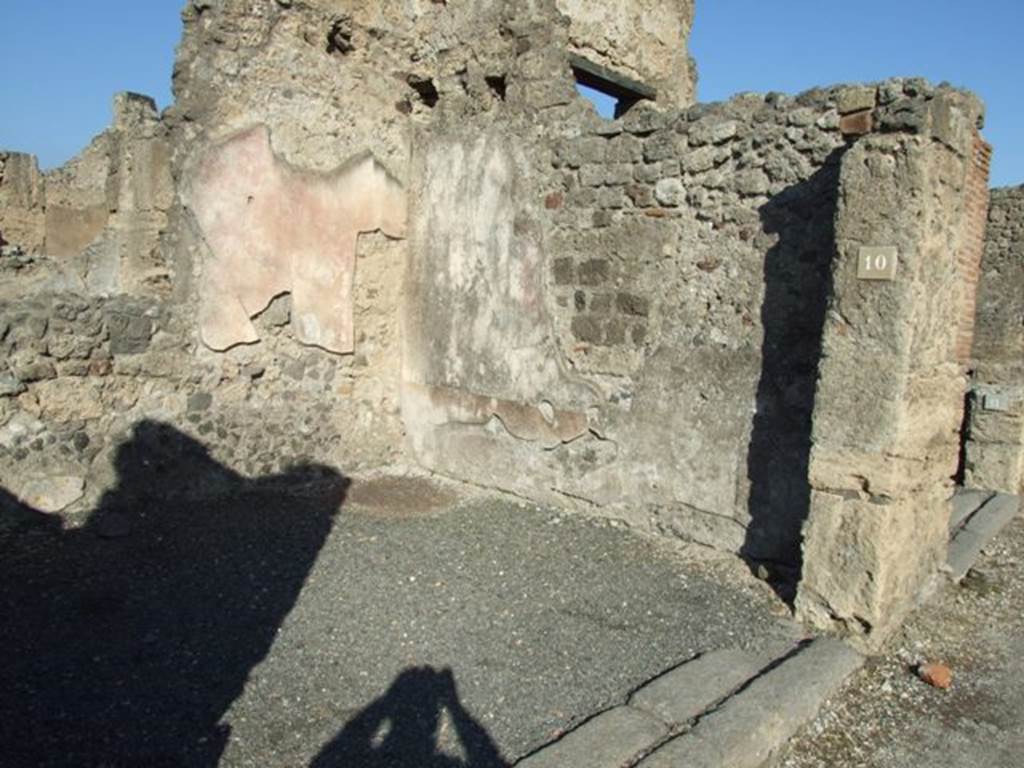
(876, 263)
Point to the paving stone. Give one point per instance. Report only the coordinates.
(748, 728)
(609, 740)
(965, 503)
(681, 694)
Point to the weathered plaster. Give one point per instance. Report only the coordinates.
(274, 229)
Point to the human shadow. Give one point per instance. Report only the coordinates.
(402, 729)
(125, 641)
(798, 284)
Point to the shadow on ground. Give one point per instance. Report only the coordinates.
(402, 728)
(126, 640)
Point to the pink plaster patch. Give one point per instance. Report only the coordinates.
(275, 229)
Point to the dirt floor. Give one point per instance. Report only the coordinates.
(887, 718)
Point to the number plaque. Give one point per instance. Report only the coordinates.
(877, 263)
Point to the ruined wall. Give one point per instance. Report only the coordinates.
(644, 40)
(398, 233)
(272, 291)
(994, 452)
(93, 225)
(403, 81)
(22, 204)
(82, 374)
(628, 314)
(278, 399)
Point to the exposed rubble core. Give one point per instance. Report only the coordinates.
(384, 232)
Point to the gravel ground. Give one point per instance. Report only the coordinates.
(273, 630)
(887, 718)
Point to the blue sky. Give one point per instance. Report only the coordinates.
(61, 61)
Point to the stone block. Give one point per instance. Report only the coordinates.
(632, 304)
(52, 493)
(611, 198)
(711, 131)
(593, 272)
(749, 728)
(865, 560)
(592, 175)
(643, 119)
(65, 400)
(618, 173)
(996, 426)
(856, 99)
(130, 334)
(699, 160)
(906, 115)
(10, 385)
(856, 124)
(995, 467)
(641, 195)
(198, 402)
(587, 329)
(802, 117)
(624, 149)
(680, 695)
(932, 415)
(601, 303)
(670, 192)
(989, 520)
(614, 332)
(564, 270)
(662, 146)
(647, 174)
(30, 370)
(752, 182)
(610, 740)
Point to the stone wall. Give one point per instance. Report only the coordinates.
(628, 314)
(994, 451)
(82, 376)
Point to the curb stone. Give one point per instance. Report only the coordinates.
(724, 709)
(978, 528)
(747, 729)
(611, 739)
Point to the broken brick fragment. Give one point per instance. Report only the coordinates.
(936, 675)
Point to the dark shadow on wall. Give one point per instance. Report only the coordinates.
(798, 284)
(124, 642)
(403, 728)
